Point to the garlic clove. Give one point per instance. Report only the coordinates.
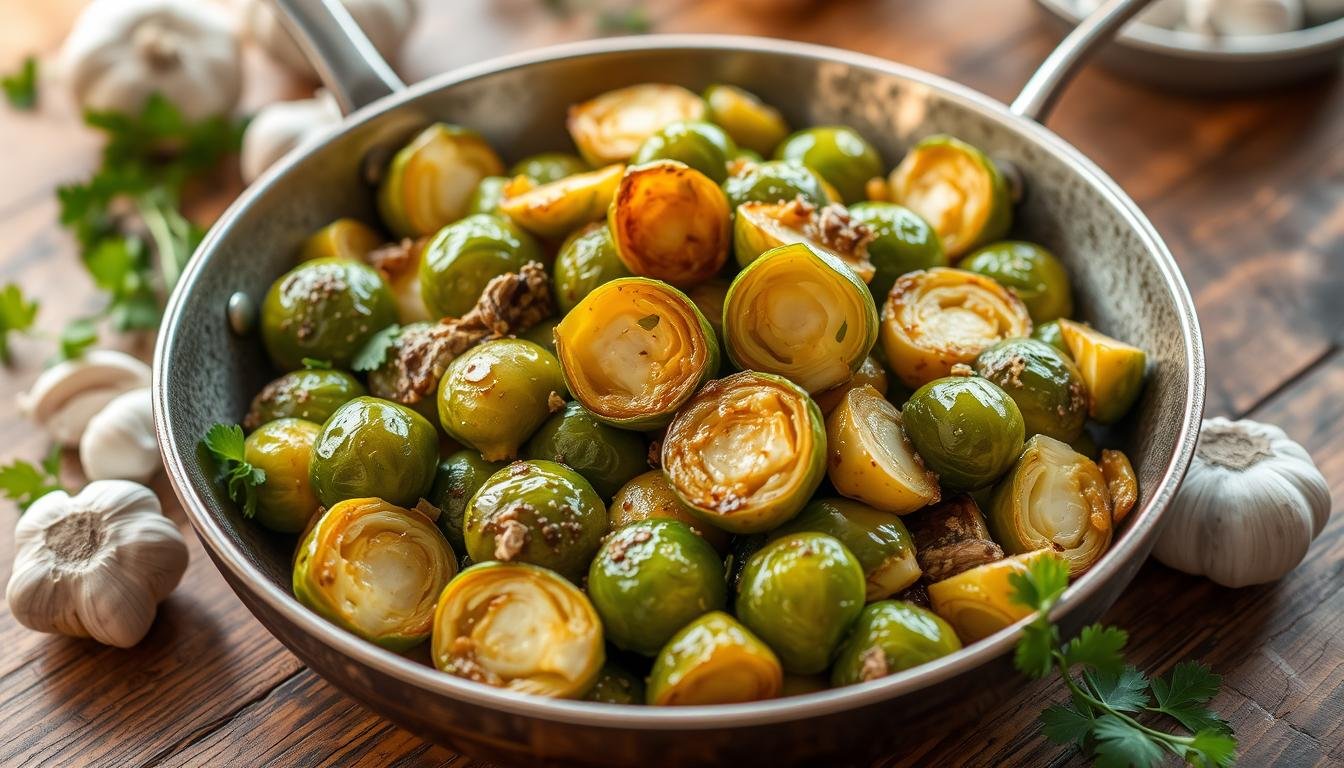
(278, 128)
(67, 395)
(119, 442)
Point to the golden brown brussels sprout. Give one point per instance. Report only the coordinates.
(555, 209)
(1042, 381)
(431, 180)
(374, 448)
(518, 627)
(753, 124)
(891, 636)
(545, 167)
(341, 239)
(375, 570)
(325, 310)
(283, 449)
(1112, 370)
(495, 395)
(714, 660)
(878, 539)
(465, 256)
(312, 394)
(650, 497)
(586, 260)
(616, 685)
(872, 460)
(700, 145)
(1031, 272)
(979, 602)
(760, 227)
(870, 373)
(611, 127)
(607, 457)
(957, 189)
(966, 429)
(670, 222)
(839, 154)
(1121, 483)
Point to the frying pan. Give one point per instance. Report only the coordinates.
(208, 364)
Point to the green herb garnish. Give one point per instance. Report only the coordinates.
(23, 483)
(370, 357)
(21, 87)
(16, 314)
(77, 336)
(240, 478)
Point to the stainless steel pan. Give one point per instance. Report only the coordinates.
(1125, 279)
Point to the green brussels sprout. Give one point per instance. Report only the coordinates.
(1043, 382)
(903, 242)
(650, 497)
(1052, 335)
(801, 685)
(487, 196)
(609, 128)
(890, 636)
(839, 154)
(701, 145)
(324, 309)
(542, 334)
(800, 593)
(283, 450)
(714, 660)
(957, 189)
(431, 179)
(495, 395)
(545, 167)
(1033, 273)
(536, 512)
(607, 457)
(342, 239)
(616, 685)
(1112, 370)
(458, 478)
(879, 540)
(586, 260)
(967, 430)
(374, 448)
(652, 578)
(754, 125)
(466, 255)
(670, 222)
(311, 394)
(775, 181)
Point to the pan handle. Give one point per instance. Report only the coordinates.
(1048, 81)
(350, 67)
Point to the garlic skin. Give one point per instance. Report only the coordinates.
(385, 22)
(1238, 18)
(120, 443)
(1249, 508)
(67, 395)
(96, 564)
(280, 127)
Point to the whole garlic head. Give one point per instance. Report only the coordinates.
(280, 127)
(120, 443)
(385, 22)
(1234, 18)
(96, 564)
(67, 395)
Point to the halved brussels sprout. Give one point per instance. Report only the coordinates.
(616, 685)
(1112, 370)
(519, 627)
(872, 460)
(838, 153)
(634, 350)
(957, 189)
(586, 260)
(312, 394)
(1054, 497)
(891, 636)
(901, 242)
(670, 222)
(776, 181)
(466, 255)
(495, 395)
(979, 602)
(458, 478)
(431, 179)
(937, 318)
(607, 457)
(557, 208)
(700, 145)
(1121, 483)
(341, 239)
(545, 167)
(714, 660)
(799, 594)
(650, 497)
(488, 193)
(325, 310)
(753, 124)
(966, 429)
(375, 570)
(283, 450)
(374, 448)
(870, 373)
(878, 539)
(747, 452)
(802, 314)
(1030, 271)
(536, 512)
(1042, 381)
(399, 264)
(760, 227)
(1050, 334)
(611, 127)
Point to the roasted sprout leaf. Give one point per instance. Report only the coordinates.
(21, 87)
(1101, 648)
(16, 314)
(76, 337)
(1066, 724)
(240, 479)
(371, 356)
(24, 483)
(1183, 695)
(1122, 691)
(1118, 742)
(1212, 749)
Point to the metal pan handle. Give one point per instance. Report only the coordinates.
(350, 67)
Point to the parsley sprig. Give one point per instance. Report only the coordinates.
(21, 87)
(17, 314)
(240, 478)
(1107, 696)
(24, 483)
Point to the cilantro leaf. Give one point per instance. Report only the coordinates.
(1097, 647)
(1183, 694)
(371, 356)
(23, 483)
(1034, 655)
(1066, 723)
(76, 337)
(1045, 580)
(1212, 749)
(1119, 743)
(16, 314)
(1125, 690)
(21, 87)
(240, 478)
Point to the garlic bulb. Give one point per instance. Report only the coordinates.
(95, 564)
(120, 442)
(68, 394)
(1233, 18)
(1250, 506)
(280, 127)
(385, 22)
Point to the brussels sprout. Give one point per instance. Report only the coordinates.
(1031, 272)
(310, 394)
(518, 627)
(700, 145)
(545, 167)
(375, 570)
(1043, 382)
(536, 512)
(714, 660)
(870, 373)
(607, 457)
(616, 685)
(464, 256)
(495, 395)
(1050, 334)
(650, 579)
(283, 449)
(709, 298)
(800, 593)
(937, 318)
(374, 448)
(650, 497)
(324, 309)
(542, 334)
(872, 460)
(966, 429)
(877, 539)
(752, 124)
(776, 181)
(1053, 498)
(747, 452)
(611, 127)
(1112, 370)
(634, 350)
(802, 314)
(760, 227)
(1121, 483)
(839, 154)
(399, 264)
(341, 239)
(891, 636)
(979, 602)
(670, 222)
(430, 181)
(557, 208)
(586, 260)
(486, 197)
(458, 478)
(901, 242)
(957, 189)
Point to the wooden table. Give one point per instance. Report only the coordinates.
(1249, 193)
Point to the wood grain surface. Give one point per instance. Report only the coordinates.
(1248, 191)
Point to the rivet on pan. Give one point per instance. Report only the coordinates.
(1017, 185)
(242, 313)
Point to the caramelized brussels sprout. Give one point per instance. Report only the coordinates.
(611, 127)
(546, 167)
(312, 394)
(518, 627)
(489, 192)
(374, 448)
(872, 460)
(1030, 271)
(891, 636)
(937, 318)
(616, 685)
(1050, 334)
(747, 452)
(870, 373)
(754, 125)
(559, 207)
(957, 189)
(802, 314)
(607, 457)
(341, 239)
(700, 145)
(877, 539)
(1112, 370)
(709, 298)
(399, 264)
(670, 222)
(714, 660)
(283, 449)
(431, 180)
(465, 255)
(650, 497)
(375, 570)
(966, 429)
(1121, 483)
(495, 395)
(324, 309)
(634, 350)
(760, 227)
(586, 260)
(1043, 382)
(901, 242)
(838, 153)
(776, 181)
(458, 478)
(979, 602)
